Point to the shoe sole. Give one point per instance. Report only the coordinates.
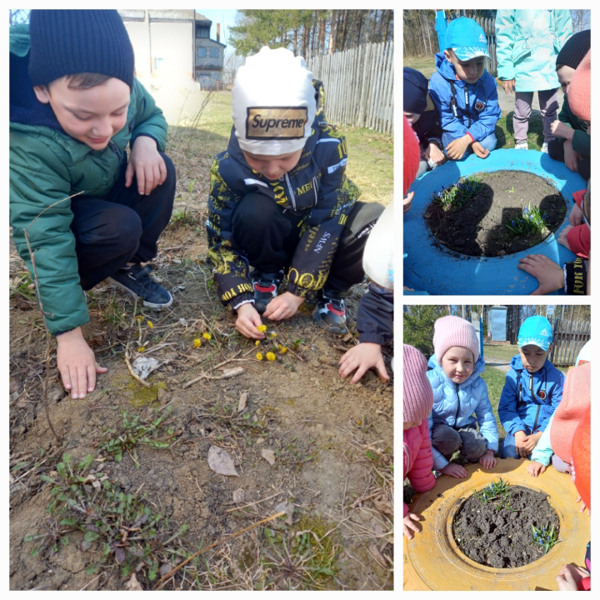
(145, 302)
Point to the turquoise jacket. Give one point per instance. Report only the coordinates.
(527, 44)
(47, 166)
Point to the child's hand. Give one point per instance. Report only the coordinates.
(530, 441)
(147, 164)
(562, 236)
(435, 154)
(479, 150)
(247, 322)
(408, 525)
(407, 202)
(283, 307)
(559, 129)
(582, 507)
(535, 468)
(487, 460)
(569, 578)
(76, 363)
(547, 272)
(576, 216)
(571, 157)
(362, 358)
(508, 85)
(457, 148)
(454, 470)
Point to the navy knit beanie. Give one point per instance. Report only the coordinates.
(574, 50)
(415, 91)
(66, 42)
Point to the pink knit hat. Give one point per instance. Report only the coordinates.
(453, 331)
(571, 410)
(418, 394)
(579, 89)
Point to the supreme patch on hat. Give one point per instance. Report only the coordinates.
(276, 122)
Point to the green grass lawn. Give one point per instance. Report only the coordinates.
(494, 379)
(500, 352)
(504, 127)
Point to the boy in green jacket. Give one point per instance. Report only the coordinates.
(87, 212)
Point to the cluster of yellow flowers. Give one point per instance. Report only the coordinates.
(197, 343)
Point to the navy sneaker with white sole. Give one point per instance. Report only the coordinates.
(330, 313)
(136, 280)
(265, 287)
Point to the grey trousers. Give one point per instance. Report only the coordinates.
(468, 440)
(548, 107)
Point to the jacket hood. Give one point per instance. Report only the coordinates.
(477, 371)
(446, 69)
(25, 108)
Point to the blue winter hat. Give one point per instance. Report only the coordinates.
(466, 38)
(537, 331)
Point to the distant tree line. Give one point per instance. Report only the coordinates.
(310, 32)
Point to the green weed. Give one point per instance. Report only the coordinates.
(546, 537)
(458, 195)
(530, 221)
(496, 490)
(130, 535)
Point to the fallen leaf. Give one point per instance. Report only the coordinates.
(165, 568)
(120, 555)
(220, 462)
(242, 402)
(143, 366)
(347, 337)
(134, 585)
(268, 455)
(383, 505)
(239, 495)
(227, 373)
(288, 507)
(377, 555)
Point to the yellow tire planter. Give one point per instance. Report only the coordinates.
(433, 561)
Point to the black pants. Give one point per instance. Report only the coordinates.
(268, 237)
(121, 227)
(556, 150)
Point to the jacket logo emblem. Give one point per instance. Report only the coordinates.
(274, 123)
(542, 394)
(479, 105)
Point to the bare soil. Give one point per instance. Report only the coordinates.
(499, 533)
(479, 227)
(332, 442)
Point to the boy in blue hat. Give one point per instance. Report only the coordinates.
(464, 93)
(532, 390)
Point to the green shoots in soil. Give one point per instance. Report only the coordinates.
(546, 537)
(496, 489)
(456, 196)
(530, 221)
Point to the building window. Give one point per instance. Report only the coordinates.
(201, 52)
(202, 32)
(214, 53)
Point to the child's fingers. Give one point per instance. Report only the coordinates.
(362, 369)
(66, 377)
(91, 378)
(100, 369)
(128, 174)
(380, 366)
(141, 180)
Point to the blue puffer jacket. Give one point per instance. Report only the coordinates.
(455, 403)
(483, 110)
(529, 399)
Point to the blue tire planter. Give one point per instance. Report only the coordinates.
(429, 266)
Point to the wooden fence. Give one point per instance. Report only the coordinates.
(569, 336)
(359, 86)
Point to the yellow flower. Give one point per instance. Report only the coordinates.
(262, 328)
(259, 356)
(207, 336)
(283, 349)
(197, 343)
(272, 335)
(139, 318)
(271, 356)
(150, 324)
(257, 343)
(141, 348)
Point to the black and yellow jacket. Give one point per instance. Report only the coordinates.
(316, 189)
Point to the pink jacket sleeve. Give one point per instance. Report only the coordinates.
(420, 474)
(579, 237)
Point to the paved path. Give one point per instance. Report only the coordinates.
(507, 101)
(497, 363)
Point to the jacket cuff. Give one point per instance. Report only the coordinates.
(240, 299)
(371, 338)
(298, 291)
(576, 277)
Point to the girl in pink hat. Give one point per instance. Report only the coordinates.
(417, 403)
(462, 417)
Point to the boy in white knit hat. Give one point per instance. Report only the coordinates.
(280, 200)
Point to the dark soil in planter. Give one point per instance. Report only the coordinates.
(479, 227)
(496, 536)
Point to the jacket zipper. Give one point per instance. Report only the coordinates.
(291, 191)
(537, 414)
(316, 189)
(458, 409)
(114, 148)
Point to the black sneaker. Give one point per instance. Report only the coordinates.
(330, 313)
(265, 288)
(136, 280)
